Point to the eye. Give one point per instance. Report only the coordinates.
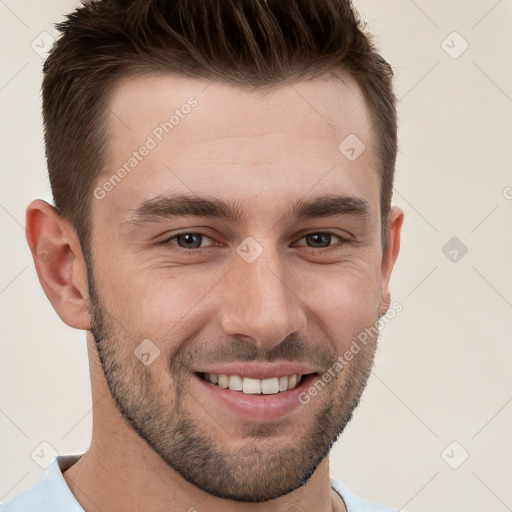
(194, 241)
(321, 239)
(187, 240)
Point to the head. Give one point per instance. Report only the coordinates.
(222, 176)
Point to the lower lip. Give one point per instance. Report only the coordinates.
(255, 407)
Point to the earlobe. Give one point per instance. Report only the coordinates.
(59, 263)
(395, 221)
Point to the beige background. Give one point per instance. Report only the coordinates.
(443, 371)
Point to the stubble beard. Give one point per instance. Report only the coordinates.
(258, 467)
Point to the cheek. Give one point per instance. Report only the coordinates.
(345, 303)
(167, 311)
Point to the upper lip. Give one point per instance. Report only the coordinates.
(259, 371)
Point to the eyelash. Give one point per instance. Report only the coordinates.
(199, 250)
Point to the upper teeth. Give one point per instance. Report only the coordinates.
(254, 386)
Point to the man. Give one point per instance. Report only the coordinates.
(222, 229)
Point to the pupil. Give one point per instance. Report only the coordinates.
(320, 237)
(189, 239)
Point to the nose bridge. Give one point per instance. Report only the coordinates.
(260, 304)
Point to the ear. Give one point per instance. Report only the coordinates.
(395, 220)
(59, 263)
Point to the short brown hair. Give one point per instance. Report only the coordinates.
(255, 43)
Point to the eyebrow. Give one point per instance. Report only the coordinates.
(164, 207)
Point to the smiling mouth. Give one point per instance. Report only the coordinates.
(250, 386)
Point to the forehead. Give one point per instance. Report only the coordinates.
(326, 104)
(176, 135)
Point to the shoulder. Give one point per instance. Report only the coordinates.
(355, 503)
(50, 494)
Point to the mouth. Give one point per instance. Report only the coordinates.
(244, 396)
(252, 386)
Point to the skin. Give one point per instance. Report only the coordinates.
(296, 300)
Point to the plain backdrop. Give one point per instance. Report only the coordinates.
(433, 431)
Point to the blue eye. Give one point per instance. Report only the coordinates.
(321, 239)
(193, 241)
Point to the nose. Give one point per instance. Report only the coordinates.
(260, 305)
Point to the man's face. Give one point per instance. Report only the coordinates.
(275, 289)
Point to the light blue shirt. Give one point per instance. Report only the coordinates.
(52, 494)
